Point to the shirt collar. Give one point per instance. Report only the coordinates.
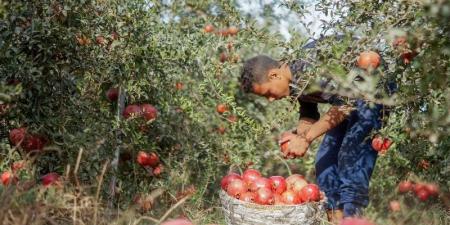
(296, 67)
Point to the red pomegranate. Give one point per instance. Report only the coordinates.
(248, 197)
(297, 184)
(229, 178)
(279, 184)
(395, 206)
(112, 94)
(8, 178)
(178, 222)
(433, 189)
(34, 143)
(17, 135)
(369, 59)
(264, 196)
(149, 112)
(292, 178)
(147, 159)
(49, 179)
(261, 182)
(310, 193)
(290, 198)
(423, 195)
(236, 188)
(386, 144)
(132, 111)
(250, 175)
(377, 143)
(405, 186)
(355, 221)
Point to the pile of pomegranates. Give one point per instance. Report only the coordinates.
(423, 191)
(251, 186)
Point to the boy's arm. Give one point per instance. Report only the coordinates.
(304, 124)
(334, 116)
(299, 144)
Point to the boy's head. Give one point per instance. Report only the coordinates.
(266, 77)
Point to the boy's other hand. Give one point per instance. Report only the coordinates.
(297, 146)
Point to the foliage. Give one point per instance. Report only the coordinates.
(55, 50)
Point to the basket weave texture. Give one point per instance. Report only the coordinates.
(237, 212)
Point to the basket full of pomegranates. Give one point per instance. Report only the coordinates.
(250, 199)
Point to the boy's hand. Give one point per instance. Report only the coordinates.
(297, 145)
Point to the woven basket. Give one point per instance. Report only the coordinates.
(243, 213)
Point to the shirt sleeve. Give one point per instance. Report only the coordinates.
(309, 110)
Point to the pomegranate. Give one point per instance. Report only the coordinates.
(179, 86)
(250, 175)
(147, 159)
(8, 178)
(433, 189)
(355, 221)
(377, 143)
(290, 198)
(284, 146)
(261, 182)
(292, 178)
(112, 94)
(221, 108)
(233, 30)
(17, 135)
(34, 143)
(423, 194)
(279, 184)
(236, 188)
(264, 196)
(369, 59)
(132, 111)
(394, 206)
(209, 28)
(386, 144)
(418, 187)
(310, 193)
(405, 186)
(178, 222)
(228, 178)
(248, 197)
(297, 185)
(149, 112)
(158, 170)
(49, 179)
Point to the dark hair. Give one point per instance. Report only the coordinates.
(255, 71)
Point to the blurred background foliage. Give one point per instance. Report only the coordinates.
(58, 58)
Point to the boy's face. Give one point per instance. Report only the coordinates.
(277, 84)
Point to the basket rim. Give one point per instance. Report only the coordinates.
(224, 196)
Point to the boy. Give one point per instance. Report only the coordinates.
(345, 159)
